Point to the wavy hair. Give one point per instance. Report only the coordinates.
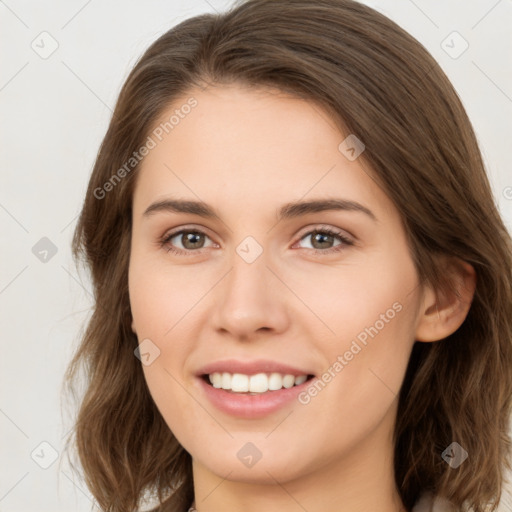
(375, 81)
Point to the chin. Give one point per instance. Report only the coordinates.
(262, 472)
(259, 462)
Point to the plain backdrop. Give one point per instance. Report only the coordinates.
(63, 64)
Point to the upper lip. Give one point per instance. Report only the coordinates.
(251, 367)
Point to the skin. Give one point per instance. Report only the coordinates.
(246, 152)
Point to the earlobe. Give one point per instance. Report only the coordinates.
(444, 311)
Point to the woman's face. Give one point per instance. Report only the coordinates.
(269, 280)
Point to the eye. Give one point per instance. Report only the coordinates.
(323, 240)
(188, 241)
(185, 241)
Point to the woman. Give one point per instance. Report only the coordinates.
(303, 286)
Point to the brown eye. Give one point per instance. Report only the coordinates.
(192, 240)
(326, 240)
(186, 241)
(321, 240)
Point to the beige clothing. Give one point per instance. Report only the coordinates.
(427, 504)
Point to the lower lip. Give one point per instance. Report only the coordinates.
(251, 406)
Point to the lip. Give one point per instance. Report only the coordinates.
(251, 367)
(251, 406)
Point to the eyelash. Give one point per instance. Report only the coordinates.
(345, 241)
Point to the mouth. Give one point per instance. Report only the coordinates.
(252, 389)
(252, 397)
(255, 384)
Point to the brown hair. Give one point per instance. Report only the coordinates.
(376, 82)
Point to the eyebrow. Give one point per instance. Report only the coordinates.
(287, 211)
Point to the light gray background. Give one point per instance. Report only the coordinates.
(54, 113)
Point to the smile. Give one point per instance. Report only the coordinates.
(254, 384)
(252, 404)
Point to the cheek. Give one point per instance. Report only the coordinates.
(356, 298)
(163, 301)
(161, 295)
(177, 403)
(371, 314)
(158, 302)
(365, 365)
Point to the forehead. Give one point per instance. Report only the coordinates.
(249, 148)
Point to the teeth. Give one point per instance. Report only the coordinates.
(258, 383)
(301, 379)
(239, 383)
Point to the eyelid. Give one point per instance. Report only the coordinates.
(326, 227)
(187, 227)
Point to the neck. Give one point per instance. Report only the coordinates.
(361, 480)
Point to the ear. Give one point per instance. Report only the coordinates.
(443, 311)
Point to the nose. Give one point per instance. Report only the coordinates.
(250, 300)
